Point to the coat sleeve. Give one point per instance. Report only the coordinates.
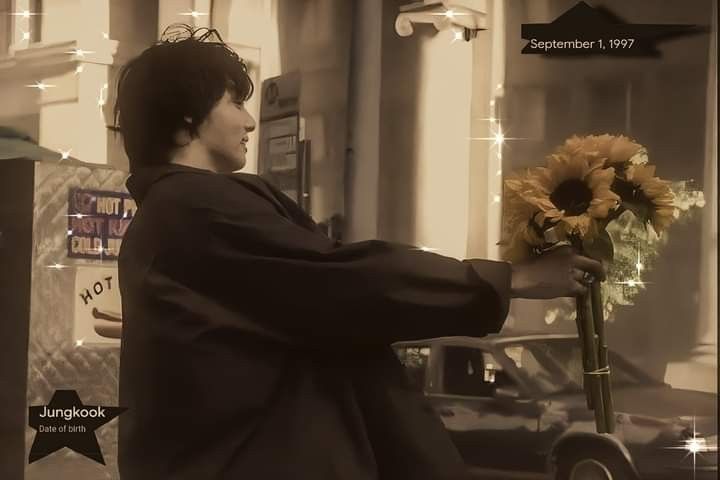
(250, 257)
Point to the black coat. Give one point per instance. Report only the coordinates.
(254, 347)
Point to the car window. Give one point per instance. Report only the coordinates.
(415, 359)
(556, 366)
(472, 371)
(539, 369)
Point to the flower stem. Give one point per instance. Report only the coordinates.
(605, 386)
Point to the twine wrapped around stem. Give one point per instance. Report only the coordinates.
(590, 322)
(596, 378)
(603, 361)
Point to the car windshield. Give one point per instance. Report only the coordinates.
(555, 366)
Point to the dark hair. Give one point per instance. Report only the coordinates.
(180, 76)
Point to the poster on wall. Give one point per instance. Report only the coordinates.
(97, 221)
(98, 309)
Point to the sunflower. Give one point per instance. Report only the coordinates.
(518, 238)
(614, 149)
(644, 188)
(520, 244)
(573, 191)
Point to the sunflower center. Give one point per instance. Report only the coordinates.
(630, 191)
(573, 196)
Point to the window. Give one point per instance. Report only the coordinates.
(18, 29)
(556, 366)
(36, 20)
(5, 27)
(415, 360)
(473, 372)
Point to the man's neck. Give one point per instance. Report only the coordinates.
(193, 155)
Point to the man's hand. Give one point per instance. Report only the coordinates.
(555, 274)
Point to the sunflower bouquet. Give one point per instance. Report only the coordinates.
(587, 184)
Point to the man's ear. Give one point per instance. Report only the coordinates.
(182, 137)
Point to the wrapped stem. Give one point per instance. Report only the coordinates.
(580, 321)
(607, 401)
(591, 381)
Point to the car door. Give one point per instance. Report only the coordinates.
(492, 423)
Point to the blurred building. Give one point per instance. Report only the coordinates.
(390, 118)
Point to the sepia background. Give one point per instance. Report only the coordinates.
(402, 132)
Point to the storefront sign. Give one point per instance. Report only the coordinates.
(97, 221)
(98, 308)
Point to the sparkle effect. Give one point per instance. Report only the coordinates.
(64, 155)
(450, 13)
(426, 249)
(79, 52)
(58, 266)
(25, 14)
(457, 35)
(102, 97)
(497, 135)
(638, 265)
(498, 140)
(195, 14)
(694, 446)
(40, 86)
(635, 282)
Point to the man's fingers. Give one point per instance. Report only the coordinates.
(564, 250)
(589, 265)
(577, 274)
(579, 289)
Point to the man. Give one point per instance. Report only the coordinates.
(254, 347)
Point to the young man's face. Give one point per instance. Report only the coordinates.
(224, 133)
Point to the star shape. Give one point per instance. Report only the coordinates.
(67, 422)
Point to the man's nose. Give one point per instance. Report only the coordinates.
(250, 123)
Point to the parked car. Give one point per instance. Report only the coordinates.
(515, 404)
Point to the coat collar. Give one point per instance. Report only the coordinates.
(140, 181)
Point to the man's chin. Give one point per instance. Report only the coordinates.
(240, 164)
(232, 164)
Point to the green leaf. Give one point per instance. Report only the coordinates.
(600, 247)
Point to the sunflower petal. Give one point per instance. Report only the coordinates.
(601, 178)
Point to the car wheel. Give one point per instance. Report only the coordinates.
(593, 465)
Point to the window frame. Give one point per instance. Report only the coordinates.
(484, 352)
(427, 381)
